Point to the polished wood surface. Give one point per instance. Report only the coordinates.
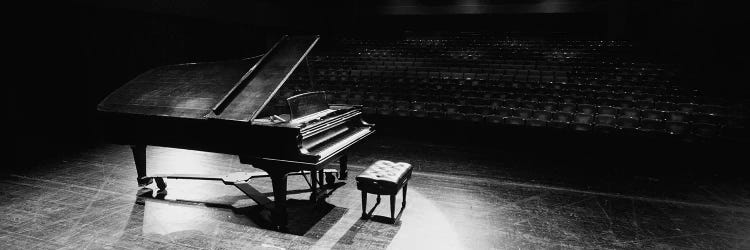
(188, 90)
(459, 198)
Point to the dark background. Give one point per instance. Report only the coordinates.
(74, 53)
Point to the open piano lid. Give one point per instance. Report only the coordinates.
(229, 90)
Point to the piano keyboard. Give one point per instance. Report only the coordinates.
(351, 138)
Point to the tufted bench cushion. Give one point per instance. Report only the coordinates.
(384, 177)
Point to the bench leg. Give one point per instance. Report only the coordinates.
(364, 204)
(393, 208)
(403, 202)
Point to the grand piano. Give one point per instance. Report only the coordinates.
(232, 107)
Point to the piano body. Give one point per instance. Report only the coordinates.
(224, 107)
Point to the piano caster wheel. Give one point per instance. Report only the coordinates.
(160, 183)
(330, 179)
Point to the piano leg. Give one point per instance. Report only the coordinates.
(321, 177)
(279, 213)
(314, 187)
(139, 155)
(343, 173)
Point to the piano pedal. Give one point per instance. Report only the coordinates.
(330, 178)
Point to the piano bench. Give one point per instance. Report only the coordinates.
(384, 178)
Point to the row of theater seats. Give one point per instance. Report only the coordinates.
(564, 84)
(345, 71)
(568, 103)
(575, 112)
(480, 65)
(579, 118)
(471, 46)
(501, 85)
(659, 98)
(484, 72)
(538, 60)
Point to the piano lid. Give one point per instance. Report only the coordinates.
(248, 98)
(235, 90)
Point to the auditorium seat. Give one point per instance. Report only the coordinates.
(548, 106)
(547, 78)
(626, 123)
(523, 113)
(665, 106)
(568, 99)
(560, 119)
(687, 107)
(582, 122)
(539, 118)
(604, 123)
(607, 110)
(419, 110)
(677, 116)
(402, 108)
(503, 112)
(357, 98)
(676, 127)
(508, 103)
(650, 126)
(652, 114)
(623, 103)
(452, 112)
(566, 107)
(630, 113)
(587, 109)
(483, 109)
(496, 103)
(515, 120)
(643, 104)
(385, 108)
(495, 119)
(606, 101)
(434, 110)
(529, 104)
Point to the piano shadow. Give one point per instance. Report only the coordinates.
(158, 214)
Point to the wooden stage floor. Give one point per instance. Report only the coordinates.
(459, 198)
